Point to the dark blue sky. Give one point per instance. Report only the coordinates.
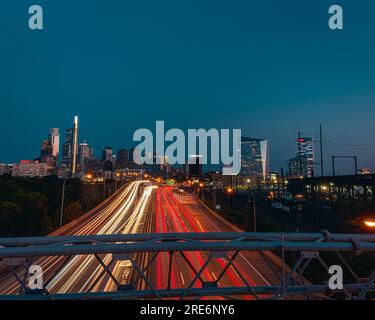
(271, 68)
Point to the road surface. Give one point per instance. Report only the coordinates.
(182, 212)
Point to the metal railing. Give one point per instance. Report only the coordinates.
(273, 248)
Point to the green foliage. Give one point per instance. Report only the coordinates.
(72, 211)
(31, 206)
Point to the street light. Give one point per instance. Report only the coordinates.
(201, 185)
(62, 202)
(230, 191)
(369, 223)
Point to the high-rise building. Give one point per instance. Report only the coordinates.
(75, 146)
(254, 159)
(91, 153)
(84, 153)
(54, 138)
(195, 166)
(67, 148)
(303, 164)
(122, 156)
(122, 160)
(107, 154)
(46, 149)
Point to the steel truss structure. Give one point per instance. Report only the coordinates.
(338, 188)
(292, 284)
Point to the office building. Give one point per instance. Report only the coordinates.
(67, 148)
(122, 160)
(107, 154)
(302, 165)
(75, 146)
(28, 168)
(83, 153)
(4, 169)
(54, 138)
(195, 167)
(254, 160)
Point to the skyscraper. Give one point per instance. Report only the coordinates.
(254, 159)
(303, 164)
(54, 138)
(195, 166)
(46, 149)
(122, 159)
(75, 146)
(84, 153)
(107, 154)
(67, 148)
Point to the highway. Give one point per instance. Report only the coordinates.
(144, 208)
(182, 212)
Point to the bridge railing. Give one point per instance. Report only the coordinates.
(195, 252)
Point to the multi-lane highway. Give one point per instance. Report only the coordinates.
(144, 208)
(182, 212)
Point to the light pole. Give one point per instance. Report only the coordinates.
(254, 205)
(117, 178)
(214, 197)
(201, 186)
(62, 202)
(254, 213)
(104, 189)
(230, 191)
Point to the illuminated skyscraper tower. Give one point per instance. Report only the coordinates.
(75, 145)
(54, 138)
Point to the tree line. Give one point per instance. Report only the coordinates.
(31, 206)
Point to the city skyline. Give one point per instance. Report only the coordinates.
(55, 143)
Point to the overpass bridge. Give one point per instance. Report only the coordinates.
(149, 282)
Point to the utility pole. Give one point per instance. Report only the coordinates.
(321, 151)
(62, 203)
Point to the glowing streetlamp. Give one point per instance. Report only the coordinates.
(370, 223)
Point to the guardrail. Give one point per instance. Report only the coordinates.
(18, 254)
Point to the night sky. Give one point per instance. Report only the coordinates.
(271, 68)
